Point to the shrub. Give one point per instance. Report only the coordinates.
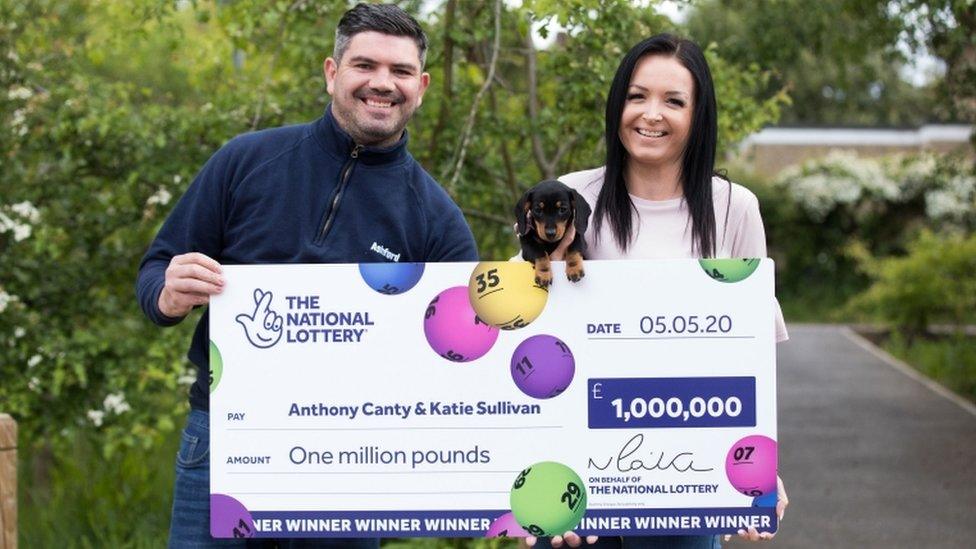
(934, 282)
(812, 212)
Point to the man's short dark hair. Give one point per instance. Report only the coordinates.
(384, 18)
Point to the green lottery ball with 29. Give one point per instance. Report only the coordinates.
(548, 499)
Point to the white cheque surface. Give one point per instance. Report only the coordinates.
(334, 409)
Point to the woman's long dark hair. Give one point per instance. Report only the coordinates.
(698, 159)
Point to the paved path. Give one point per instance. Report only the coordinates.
(870, 456)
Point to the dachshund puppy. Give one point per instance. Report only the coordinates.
(544, 214)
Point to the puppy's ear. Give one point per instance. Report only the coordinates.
(523, 219)
(581, 213)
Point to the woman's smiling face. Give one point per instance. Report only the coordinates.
(657, 112)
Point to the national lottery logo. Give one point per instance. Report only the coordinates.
(263, 326)
(303, 320)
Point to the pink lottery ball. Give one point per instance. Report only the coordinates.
(751, 465)
(505, 526)
(453, 329)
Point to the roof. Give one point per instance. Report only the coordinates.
(911, 137)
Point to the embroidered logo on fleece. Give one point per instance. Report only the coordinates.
(381, 250)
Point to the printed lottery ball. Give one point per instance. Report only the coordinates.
(505, 526)
(766, 500)
(730, 269)
(542, 366)
(391, 278)
(453, 329)
(751, 465)
(229, 518)
(548, 499)
(505, 295)
(216, 366)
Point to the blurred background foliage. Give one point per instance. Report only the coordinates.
(109, 109)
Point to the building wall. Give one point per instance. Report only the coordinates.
(773, 149)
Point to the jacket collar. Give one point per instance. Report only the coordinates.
(338, 143)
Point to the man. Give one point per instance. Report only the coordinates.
(342, 189)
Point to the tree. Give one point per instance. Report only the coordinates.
(838, 59)
(109, 109)
(946, 29)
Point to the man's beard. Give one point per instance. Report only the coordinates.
(366, 131)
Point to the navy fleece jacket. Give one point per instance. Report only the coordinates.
(303, 194)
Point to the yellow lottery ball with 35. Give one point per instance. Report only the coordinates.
(504, 294)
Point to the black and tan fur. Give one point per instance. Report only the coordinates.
(543, 215)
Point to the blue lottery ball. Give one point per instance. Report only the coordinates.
(765, 500)
(391, 278)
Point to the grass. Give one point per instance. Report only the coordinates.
(88, 501)
(951, 360)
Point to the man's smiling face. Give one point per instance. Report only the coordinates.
(376, 86)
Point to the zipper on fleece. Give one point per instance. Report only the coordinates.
(337, 195)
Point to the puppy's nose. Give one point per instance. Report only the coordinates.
(550, 232)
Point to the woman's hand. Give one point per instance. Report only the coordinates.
(571, 539)
(560, 252)
(781, 502)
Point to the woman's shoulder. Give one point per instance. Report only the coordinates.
(737, 197)
(585, 182)
(584, 179)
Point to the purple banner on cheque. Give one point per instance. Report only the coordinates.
(635, 403)
(305, 524)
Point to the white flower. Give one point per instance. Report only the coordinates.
(917, 174)
(954, 201)
(177, 178)
(962, 185)
(19, 332)
(96, 417)
(33, 361)
(34, 384)
(161, 197)
(21, 232)
(5, 299)
(187, 379)
(19, 92)
(841, 178)
(27, 210)
(116, 403)
(939, 204)
(18, 118)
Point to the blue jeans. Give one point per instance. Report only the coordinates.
(190, 523)
(648, 542)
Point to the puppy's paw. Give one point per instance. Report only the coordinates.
(543, 272)
(543, 279)
(574, 267)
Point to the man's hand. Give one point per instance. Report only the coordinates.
(190, 281)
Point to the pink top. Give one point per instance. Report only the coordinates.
(663, 228)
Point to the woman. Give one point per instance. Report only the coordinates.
(658, 196)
